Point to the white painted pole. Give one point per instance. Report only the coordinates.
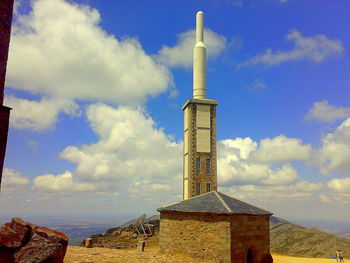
(199, 60)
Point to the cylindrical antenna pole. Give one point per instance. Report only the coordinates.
(199, 60)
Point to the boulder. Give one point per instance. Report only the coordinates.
(23, 242)
(12, 234)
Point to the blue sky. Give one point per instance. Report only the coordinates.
(97, 88)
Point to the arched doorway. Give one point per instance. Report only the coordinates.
(250, 255)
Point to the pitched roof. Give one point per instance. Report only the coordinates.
(214, 202)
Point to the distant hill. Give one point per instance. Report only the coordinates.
(286, 239)
(294, 240)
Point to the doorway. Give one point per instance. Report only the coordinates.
(250, 256)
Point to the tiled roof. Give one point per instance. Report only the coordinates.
(214, 202)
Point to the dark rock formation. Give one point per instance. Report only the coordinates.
(23, 242)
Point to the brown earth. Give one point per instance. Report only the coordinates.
(152, 255)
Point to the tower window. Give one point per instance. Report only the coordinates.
(207, 166)
(208, 187)
(198, 165)
(198, 188)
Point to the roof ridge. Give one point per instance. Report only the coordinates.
(246, 203)
(223, 202)
(186, 199)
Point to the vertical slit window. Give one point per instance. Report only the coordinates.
(198, 188)
(207, 166)
(208, 187)
(198, 165)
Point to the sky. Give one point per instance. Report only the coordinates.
(97, 88)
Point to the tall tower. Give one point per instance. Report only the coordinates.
(199, 160)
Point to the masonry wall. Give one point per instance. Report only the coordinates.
(251, 231)
(199, 235)
(191, 177)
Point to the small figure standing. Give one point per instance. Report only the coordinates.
(341, 256)
(337, 254)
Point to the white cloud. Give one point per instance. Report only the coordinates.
(334, 155)
(181, 55)
(38, 115)
(270, 193)
(243, 176)
(239, 146)
(281, 149)
(131, 155)
(323, 112)
(315, 48)
(12, 178)
(340, 185)
(257, 86)
(236, 167)
(60, 52)
(325, 199)
(305, 186)
(62, 182)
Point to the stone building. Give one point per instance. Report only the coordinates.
(208, 224)
(216, 226)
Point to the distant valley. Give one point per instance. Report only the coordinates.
(286, 238)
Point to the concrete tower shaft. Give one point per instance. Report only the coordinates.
(199, 60)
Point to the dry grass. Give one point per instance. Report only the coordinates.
(106, 255)
(287, 259)
(152, 255)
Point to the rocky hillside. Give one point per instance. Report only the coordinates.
(294, 240)
(286, 239)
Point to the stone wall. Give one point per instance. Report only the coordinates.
(226, 238)
(196, 234)
(251, 231)
(202, 177)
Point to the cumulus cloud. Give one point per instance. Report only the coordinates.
(245, 173)
(281, 149)
(60, 52)
(12, 178)
(131, 154)
(61, 182)
(237, 166)
(271, 192)
(334, 154)
(314, 48)
(38, 115)
(341, 185)
(181, 55)
(322, 111)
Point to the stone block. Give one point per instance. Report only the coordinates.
(89, 243)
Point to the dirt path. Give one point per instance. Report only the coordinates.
(152, 255)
